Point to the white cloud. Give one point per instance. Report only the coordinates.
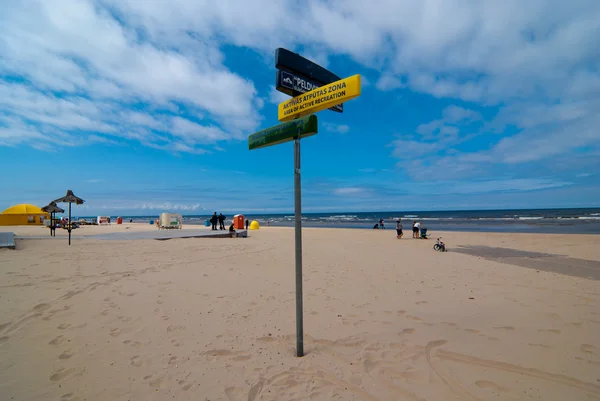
(338, 128)
(277, 97)
(387, 82)
(349, 191)
(82, 66)
(455, 114)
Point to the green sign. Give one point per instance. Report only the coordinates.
(305, 126)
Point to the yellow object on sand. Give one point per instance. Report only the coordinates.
(254, 225)
(23, 215)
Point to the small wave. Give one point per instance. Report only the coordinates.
(411, 216)
(530, 218)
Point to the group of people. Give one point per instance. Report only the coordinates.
(218, 219)
(418, 230)
(221, 220)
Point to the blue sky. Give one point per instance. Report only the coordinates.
(142, 107)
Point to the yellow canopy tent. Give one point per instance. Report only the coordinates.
(23, 215)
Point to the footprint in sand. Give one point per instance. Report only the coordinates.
(172, 360)
(490, 385)
(57, 340)
(540, 345)
(173, 328)
(136, 361)
(63, 326)
(66, 354)
(408, 331)
(157, 383)
(185, 386)
(588, 349)
(507, 328)
(472, 331)
(236, 393)
(115, 332)
(553, 331)
(67, 397)
(4, 339)
(62, 374)
(40, 307)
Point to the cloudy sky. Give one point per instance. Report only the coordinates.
(143, 106)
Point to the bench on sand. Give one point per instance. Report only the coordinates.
(7, 240)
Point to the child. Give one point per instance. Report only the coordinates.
(399, 229)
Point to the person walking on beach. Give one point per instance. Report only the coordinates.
(399, 229)
(381, 224)
(213, 221)
(247, 223)
(221, 221)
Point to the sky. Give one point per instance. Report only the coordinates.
(142, 107)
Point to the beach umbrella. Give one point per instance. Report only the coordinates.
(70, 198)
(52, 208)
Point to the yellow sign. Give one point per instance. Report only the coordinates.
(320, 99)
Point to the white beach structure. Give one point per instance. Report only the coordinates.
(170, 220)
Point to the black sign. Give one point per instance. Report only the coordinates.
(294, 85)
(296, 64)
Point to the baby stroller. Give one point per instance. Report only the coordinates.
(424, 234)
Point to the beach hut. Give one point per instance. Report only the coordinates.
(169, 221)
(23, 215)
(52, 208)
(70, 198)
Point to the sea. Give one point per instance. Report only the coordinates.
(558, 221)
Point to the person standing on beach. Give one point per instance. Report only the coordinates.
(247, 223)
(213, 221)
(381, 224)
(221, 221)
(399, 229)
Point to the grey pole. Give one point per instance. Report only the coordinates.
(298, 233)
(70, 223)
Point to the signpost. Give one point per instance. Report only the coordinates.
(295, 85)
(319, 99)
(285, 132)
(314, 89)
(292, 62)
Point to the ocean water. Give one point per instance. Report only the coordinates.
(571, 221)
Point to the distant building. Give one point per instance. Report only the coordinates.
(23, 215)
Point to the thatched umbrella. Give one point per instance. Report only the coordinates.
(70, 198)
(52, 208)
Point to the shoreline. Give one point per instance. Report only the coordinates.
(566, 230)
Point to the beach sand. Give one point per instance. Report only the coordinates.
(498, 317)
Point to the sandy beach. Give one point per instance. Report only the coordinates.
(498, 317)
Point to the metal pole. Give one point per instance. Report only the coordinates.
(70, 223)
(298, 232)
